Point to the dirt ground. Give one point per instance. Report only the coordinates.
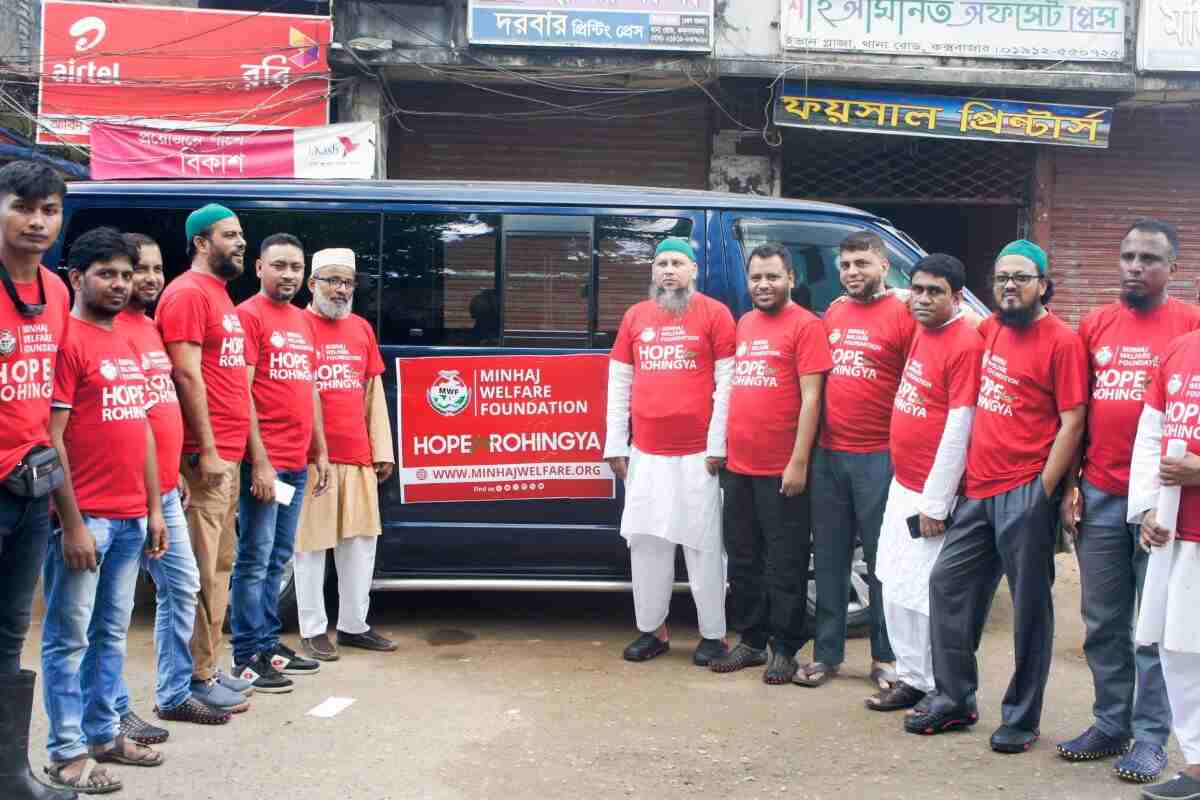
(525, 695)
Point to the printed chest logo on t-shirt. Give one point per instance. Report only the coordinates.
(1129, 373)
(335, 370)
(666, 349)
(124, 400)
(28, 377)
(233, 346)
(156, 366)
(852, 358)
(752, 365)
(908, 396)
(287, 360)
(1182, 412)
(993, 385)
(8, 343)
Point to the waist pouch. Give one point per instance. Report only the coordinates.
(37, 475)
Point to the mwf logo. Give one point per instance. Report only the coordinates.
(449, 395)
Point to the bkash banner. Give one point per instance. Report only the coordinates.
(130, 64)
(479, 428)
(344, 151)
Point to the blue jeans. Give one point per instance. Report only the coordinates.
(176, 582)
(24, 528)
(266, 539)
(83, 637)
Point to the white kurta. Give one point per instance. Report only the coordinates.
(903, 564)
(673, 498)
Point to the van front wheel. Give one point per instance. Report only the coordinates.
(858, 612)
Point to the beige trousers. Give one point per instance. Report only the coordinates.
(211, 515)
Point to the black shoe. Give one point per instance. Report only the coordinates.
(1142, 764)
(367, 640)
(285, 660)
(1008, 739)
(16, 709)
(708, 651)
(140, 731)
(933, 721)
(263, 676)
(1091, 745)
(1181, 787)
(740, 657)
(645, 647)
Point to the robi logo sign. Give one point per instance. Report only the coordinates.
(448, 395)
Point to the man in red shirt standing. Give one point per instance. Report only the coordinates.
(670, 370)
(99, 427)
(206, 346)
(869, 336)
(931, 425)
(346, 518)
(285, 434)
(34, 309)
(1029, 420)
(779, 370)
(1124, 341)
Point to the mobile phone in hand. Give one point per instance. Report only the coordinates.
(914, 526)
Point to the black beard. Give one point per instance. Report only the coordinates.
(224, 267)
(869, 290)
(1017, 317)
(1137, 302)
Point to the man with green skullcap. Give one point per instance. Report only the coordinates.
(670, 371)
(1029, 420)
(204, 341)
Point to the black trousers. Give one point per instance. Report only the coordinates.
(767, 541)
(24, 530)
(1012, 534)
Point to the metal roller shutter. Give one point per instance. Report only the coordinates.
(1150, 169)
(668, 150)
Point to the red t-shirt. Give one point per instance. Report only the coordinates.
(1029, 376)
(28, 349)
(195, 307)
(1123, 347)
(869, 342)
(773, 351)
(942, 373)
(165, 418)
(673, 381)
(347, 360)
(99, 378)
(279, 345)
(1175, 391)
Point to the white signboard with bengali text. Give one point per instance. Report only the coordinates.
(1169, 36)
(1043, 30)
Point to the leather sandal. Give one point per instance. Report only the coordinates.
(85, 781)
(143, 756)
(814, 674)
(901, 695)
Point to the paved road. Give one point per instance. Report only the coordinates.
(511, 696)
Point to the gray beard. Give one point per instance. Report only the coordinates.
(329, 309)
(674, 301)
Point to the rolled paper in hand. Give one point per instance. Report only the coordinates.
(1152, 616)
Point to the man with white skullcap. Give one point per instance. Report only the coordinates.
(344, 519)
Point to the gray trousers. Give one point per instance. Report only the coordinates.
(848, 492)
(1010, 534)
(1131, 697)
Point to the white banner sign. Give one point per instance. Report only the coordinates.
(1169, 36)
(1043, 30)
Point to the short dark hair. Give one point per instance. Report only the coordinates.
(773, 250)
(1154, 225)
(100, 244)
(139, 240)
(863, 240)
(1046, 295)
(279, 238)
(31, 180)
(943, 265)
(191, 243)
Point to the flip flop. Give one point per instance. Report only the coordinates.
(145, 756)
(814, 674)
(82, 783)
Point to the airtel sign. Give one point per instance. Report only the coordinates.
(159, 64)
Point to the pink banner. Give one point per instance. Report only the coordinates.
(325, 151)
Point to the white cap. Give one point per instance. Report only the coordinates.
(332, 257)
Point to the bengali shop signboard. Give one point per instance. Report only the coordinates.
(344, 151)
(1169, 36)
(677, 25)
(129, 63)
(1042, 30)
(478, 428)
(806, 105)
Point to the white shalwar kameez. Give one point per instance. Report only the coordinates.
(1179, 649)
(903, 564)
(669, 501)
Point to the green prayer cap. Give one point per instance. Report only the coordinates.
(674, 245)
(1026, 248)
(202, 218)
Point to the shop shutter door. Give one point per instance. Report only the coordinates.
(1149, 169)
(668, 150)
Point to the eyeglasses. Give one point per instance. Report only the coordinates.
(1019, 278)
(339, 283)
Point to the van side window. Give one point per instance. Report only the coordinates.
(625, 250)
(547, 269)
(439, 280)
(814, 248)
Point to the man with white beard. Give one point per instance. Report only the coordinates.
(670, 370)
(344, 519)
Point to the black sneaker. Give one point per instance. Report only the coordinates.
(263, 676)
(1181, 787)
(285, 660)
(135, 728)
